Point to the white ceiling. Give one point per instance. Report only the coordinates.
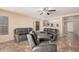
(34, 11)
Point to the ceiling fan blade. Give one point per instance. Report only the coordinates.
(51, 10)
(45, 9)
(41, 13)
(48, 13)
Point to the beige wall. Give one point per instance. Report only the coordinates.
(15, 21)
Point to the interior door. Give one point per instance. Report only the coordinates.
(37, 25)
(68, 27)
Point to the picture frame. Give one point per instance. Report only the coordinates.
(52, 25)
(57, 25)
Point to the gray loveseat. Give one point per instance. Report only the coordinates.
(20, 34)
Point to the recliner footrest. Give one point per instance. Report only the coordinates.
(45, 48)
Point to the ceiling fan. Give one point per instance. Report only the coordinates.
(47, 10)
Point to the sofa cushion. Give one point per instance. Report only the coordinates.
(45, 48)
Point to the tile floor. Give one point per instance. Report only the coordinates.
(69, 43)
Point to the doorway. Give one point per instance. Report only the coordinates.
(36, 25)
(70, 26)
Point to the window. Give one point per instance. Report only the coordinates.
(3, 25)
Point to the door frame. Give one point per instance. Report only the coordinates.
(65, 27)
